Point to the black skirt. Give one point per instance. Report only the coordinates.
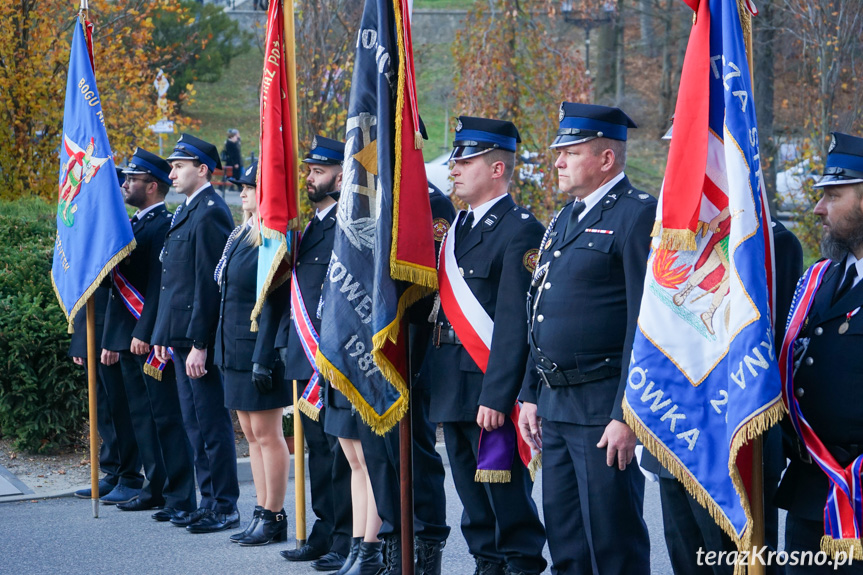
(341, 419)
(241, 393)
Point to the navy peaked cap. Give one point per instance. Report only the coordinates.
(249, 177)
(584, 122)
(475, 136)
(144, 162)
(325, 151)
(192, 148)
(844, 161)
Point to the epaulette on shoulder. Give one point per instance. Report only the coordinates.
(523, 214)
(638, 195)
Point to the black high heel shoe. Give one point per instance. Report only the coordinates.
(272, 526)
(256, 516)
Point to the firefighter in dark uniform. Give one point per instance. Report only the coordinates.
(329, 541)
(154, 405)
(495, 248)
(186, 320)
(118, 456)
(828, 373)
(586, 296)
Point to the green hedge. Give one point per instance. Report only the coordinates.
(43, 395)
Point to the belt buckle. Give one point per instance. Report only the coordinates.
(542, 374)
(803, 452)
(451, 335)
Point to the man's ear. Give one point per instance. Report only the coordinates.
(339, 181)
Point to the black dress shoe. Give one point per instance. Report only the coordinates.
(332, 561)
(186, 518)
(304, 553)
(139, 505)
(212, 522)
(168, 513)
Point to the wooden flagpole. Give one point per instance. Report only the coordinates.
(406, 444)
(92, 366)
(756, 500)
(299, 449)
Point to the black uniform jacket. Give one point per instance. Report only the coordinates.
(496, 257)
(235, 340)
(829, 386)
(587, 306)
(143, 270)
(189, 298)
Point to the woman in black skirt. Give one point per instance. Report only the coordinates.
(343, 422)
(259, 401)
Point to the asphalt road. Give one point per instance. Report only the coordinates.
(61, 536)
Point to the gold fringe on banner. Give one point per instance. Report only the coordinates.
(380, 424)
(753, 428)
(675, 240)
(82, 301)
(153, 372)
(310, 410)
(657, 229)
(535, 465)
(492, 476)
(849, 547)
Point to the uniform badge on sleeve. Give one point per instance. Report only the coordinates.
(440, 227)
(531, 258)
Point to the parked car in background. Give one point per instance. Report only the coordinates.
(791, 186)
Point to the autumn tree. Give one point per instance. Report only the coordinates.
(34, 55)
(514, 63)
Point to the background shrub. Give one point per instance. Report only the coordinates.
(43, 395)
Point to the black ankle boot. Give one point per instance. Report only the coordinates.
(352, 556)
(272, 526)
(428, 557)
(392, 555)
(486, 567)
(256, 516)
(369, 560)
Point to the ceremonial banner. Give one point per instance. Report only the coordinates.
(384, 230)
(277, 183)
(93, 230)
(703, 378)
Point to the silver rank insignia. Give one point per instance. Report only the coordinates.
(524, 216)
(314, 142)
(458, 126)
(210, 203)
(560, 113)
(643, 196)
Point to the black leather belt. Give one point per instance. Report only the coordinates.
(844, 454)
(445, 335)
(559, 378)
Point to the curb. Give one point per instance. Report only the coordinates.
(244, 475)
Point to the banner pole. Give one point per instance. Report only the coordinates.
(299, 474)
(406, 444)
(92, 366)
(291, 68)
(756, 501)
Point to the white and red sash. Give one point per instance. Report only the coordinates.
(134, 302)
(474, 327)
(843, 512)
(312, 400)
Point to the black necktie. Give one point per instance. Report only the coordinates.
(577, 208)
(464, 228)
(847, 283)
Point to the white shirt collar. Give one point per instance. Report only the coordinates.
(141, 213)
(321, 214)
(594, 197)
(482, 209)
(851, 260)
(198, 191)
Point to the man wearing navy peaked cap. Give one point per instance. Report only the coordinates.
(487, 260)
(186, 321)
(154, 406)
(828, 367)
(584, 302)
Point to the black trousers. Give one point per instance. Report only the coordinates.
(382, 460)
(211, 433)
(802, 535)
(118, 456)
(158, 422)
(500, 522)
(330, 485)
(428, 473)
(593, 512)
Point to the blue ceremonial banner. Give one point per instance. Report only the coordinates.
(93, 230)
(703, 378)
(384, 226)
